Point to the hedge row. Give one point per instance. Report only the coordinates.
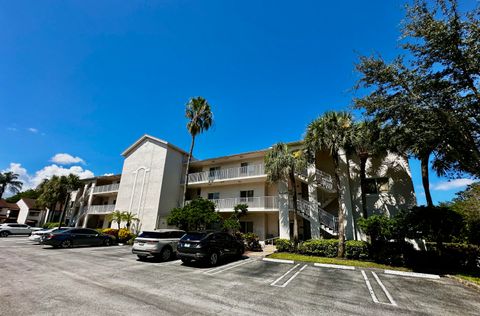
(354, 249)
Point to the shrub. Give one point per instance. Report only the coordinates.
(284, 245)
(450, 257)
(124, 235)
(110, 231)
(319, 247)
(251, 241)
(356, 249)
(51, 225)
(377, 227)
(131, 240)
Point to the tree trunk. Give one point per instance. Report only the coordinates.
(295, 207)
(341, 215)
(186, 171)
(2, 190)
(425, 178)
(363, 176)
(65, 205)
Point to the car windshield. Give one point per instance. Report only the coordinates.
(157, 235)
(194, 236)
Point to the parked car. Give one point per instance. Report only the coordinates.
(36, 236)
(7, 229)
(208, 247)
(77, 237)
(161, 244)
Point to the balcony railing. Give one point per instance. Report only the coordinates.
(262, 202)
(101, 209)
(311, 210)
(228, 173)
(325, 180)
(106, 188)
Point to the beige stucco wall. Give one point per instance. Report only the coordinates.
(232, 191)
(23, 213)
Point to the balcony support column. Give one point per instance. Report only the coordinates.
(313, 199)
(85, 221)
(283, 212)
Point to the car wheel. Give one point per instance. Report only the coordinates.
(141, 258)
(166, 254)
(240, 252)
(213, 259)
(4, 234)
(186, 260)
(66, 244)
(107, 242)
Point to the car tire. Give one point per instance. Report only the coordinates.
(66, 244)
(141, 258)
(107, 242)
(239, 253)
(186, 260)
(213, 259)
(166, 254)
(4, 233)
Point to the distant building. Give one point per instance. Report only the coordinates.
(30, 213)
(8, 212)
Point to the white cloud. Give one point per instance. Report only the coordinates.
(451, 185)
(32, 129)
(66, 159)
(108, 174)
(31, 181)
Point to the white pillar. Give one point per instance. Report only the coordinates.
(313, 198)
(283, 212)
(85, 221)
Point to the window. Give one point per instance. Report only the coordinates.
(214, 196)
(246, 196)
(34, 213)
(246, 227)
(376, 185)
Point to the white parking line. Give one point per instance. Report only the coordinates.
(279, 260)
(293, 277)
(228, 267)
(334, 266)
(390, 298)
(284, 275)
(413, 274)
(370, 289)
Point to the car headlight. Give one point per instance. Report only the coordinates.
(198, 246)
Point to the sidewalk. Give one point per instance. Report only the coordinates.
(267, 250)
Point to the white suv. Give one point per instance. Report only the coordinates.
(15, 229)
(161, 244)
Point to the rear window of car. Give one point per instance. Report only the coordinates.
(194, 236)
(156, 235)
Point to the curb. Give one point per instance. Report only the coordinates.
(413, 274)
(464, 282)
(334, 266)
(278, 260)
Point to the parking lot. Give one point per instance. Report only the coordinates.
(38, 280)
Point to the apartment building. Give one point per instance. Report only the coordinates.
(151, 185)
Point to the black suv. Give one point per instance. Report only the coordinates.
(208, 247)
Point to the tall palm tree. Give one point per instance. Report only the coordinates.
(117, 217)
(365, 142)
(280, 165)
(200, 117)
(331, 132)
(9, 180)
(129, 217)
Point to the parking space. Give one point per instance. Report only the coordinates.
(110, 280)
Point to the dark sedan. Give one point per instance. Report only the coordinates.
(77, 237)
(208, 247)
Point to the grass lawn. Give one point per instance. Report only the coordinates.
(346, 262)
(474, 279)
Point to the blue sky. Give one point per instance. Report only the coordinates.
(87, 78)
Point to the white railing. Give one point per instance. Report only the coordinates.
(325, 180)
(106, 188)
(263, 202)
(228, 173)
(101, 209)
(311, 210)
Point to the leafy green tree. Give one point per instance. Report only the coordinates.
(365, 142)
(198, 214)
(200, 117)
(429, 102)
(467, 203)
(233, 222)
(9, 180)
(281, 164)
(129, 218)
(30, 193)
(116, 217)
(332, 132)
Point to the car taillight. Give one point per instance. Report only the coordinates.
(50, 236)
(152, 241)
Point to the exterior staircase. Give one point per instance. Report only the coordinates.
(311, 210)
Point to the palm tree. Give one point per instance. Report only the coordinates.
(280, 165)
(365, 142)
(9, 180)
(129, 217)
(331, 132)
(117, 217)
(66, 185)
(49, 195)
(200, 119)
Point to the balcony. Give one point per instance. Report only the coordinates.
(325, 181)
(101, 209)
(110, 188)
(258, 202)
(227, 174)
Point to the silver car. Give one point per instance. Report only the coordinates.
(160, 244)
(7, 229)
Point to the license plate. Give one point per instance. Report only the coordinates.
(141, 244)
(186, 245)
